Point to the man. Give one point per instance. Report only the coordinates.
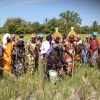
(7, 48)
(46, 46)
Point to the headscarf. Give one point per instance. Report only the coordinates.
(78, 37)
(57, 34)
(49, 38)
(72, 32)
(33, 35)
(5, 39)
(13, 35)
(21, 38)
(95, 33)
(40, 35)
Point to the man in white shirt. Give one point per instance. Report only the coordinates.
(45, 46)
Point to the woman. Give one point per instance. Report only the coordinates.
(7, 48)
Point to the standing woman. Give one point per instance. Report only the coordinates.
(7, 48)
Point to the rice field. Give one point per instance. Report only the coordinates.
(84, 85)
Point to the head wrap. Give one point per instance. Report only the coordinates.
(57, 34)
(78, 37)
(95, 33)
(72, 32)
(5, 38)
(49, 38)
(40, 35)
(13, 35)
(21, 38)
(88, 36)
(33, 35)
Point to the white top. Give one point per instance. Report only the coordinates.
(45, 47)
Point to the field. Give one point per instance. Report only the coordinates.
(84, 85)
(28, 36)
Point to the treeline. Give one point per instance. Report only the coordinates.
(66, 20)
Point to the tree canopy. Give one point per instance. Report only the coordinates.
(66, 20)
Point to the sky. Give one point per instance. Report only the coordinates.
(38, 10)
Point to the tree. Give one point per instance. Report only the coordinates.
(17, 26)
(51, 25)
(95, 26)
(36, 27)
(85, 30)
(70, 18)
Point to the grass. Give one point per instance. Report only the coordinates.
(84, 85)
(28, 36)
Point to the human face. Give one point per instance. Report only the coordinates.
(33, 39)
(94, 36)
(72, 39)
(13, 38)
(8, 39)
(57, 39)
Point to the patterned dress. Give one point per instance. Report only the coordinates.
(18, 59)
(70, 56)
(31, 47)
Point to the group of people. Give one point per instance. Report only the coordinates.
(60, 52)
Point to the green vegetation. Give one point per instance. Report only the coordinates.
(84, 85)
(67, 19)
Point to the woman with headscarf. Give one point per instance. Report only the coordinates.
(31, 54)
(55, 55)
(94, 47)
(18, 54)
(7, 48)
(70, 54)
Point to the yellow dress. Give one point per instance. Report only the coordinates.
(7, 57)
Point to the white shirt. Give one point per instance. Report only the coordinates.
(45, 47)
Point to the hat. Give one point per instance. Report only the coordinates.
(49, 37)
(33, 35)
(95, 33)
